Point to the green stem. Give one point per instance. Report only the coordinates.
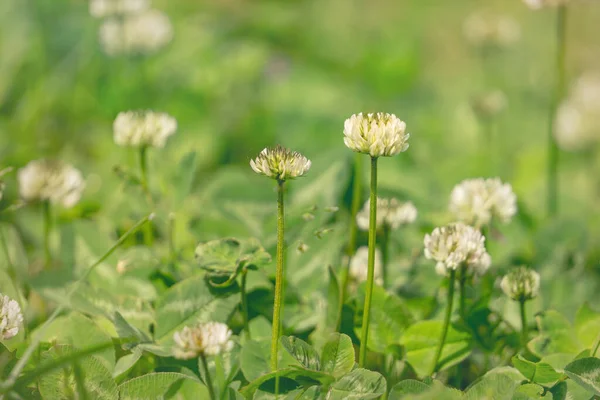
(209, 384)
(559, 91)
(462, 279)
(364, 336)
(14, 374)
(143, 156)
(12, 272)
(245, 304)
(438, 352)
(523, 324)
(172, 249)
(356, 202)
(385, 241)
(278, 278)
(47, 230)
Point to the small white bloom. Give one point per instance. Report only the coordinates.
(376, 134)
(521, 284)
(280, 163)
(489, 104)
(482, 29)
(143, 33)
(477, 201)
(11, 317)
(538, 4)
(143, 128)
(108, 8)
(51, 180)
(359, 265)
(390, 212)
(207, 339)
(454, 245)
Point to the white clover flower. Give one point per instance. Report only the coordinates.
(206, 339)
(359, 265)
(390, 212)
(143, 33)
(477, 201)
(280, 163)
(521, 284)
(11, 317)
(482, 29)
(538, 4)
(143, 129)
(109, 8)
(51, 180)
(376, 134)
(457, 244)
(489, 104)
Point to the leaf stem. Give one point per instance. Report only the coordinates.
(47, 230)
(244, 296)
(278, 277)
(364, 336)
(449, 302)
(209, 384)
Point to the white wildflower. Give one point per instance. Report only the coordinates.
(390, 212)
(109, 8)
(51, 180)
(538, 4)
(11, 318)
(477, 201)
(142, 33)
(359, 265)
(280, 163)
(521, 284)
(482, 29)
(205, 339)
(489, 104)
(454, 245)
(143, 128)
(378, 134)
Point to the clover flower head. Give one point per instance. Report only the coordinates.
(54, 181)
(11, 318)
(280, 163)
(376, 134)
(454, 245)
(109, 8)
(489, 104)
(205, 339)
(359, 265)
(142, 33)
(477, 201)
(521, 284)
(539, 4)
(143, 129)
(390, 212)
(483, 29)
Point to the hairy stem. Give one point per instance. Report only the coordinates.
(209, 384)
(364, 336)
(449, 302)
(278, 278)
(462, 279)
(143, 156)
(523, 324)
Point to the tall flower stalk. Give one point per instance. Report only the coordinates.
(377, 135)
(281, 165)
(447, 316)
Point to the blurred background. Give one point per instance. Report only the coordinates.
(472, 79)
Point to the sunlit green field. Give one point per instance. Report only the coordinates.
(99, 290)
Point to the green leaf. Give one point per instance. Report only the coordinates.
(189, 302)
(556, 335)
(587, 325)
(227, 255)
(359, 384)
(254, 359)
(333, 299)
(301, 351)
(337, 357)
(301, 375)
(586, 373)
(540, 372)
(421, 340)
(559, 391)
(497, 387)
(531, 391)
(152, 386)
(125, 363)
(406, 387)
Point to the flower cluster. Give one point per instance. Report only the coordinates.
(205, 339)
(11, 317)
(489, 104)
(477, 201)
(521, 284)
(378, 134)
(359, 265)
(280, 163)
(491, 30)
(576, 125)
(141, 33)
(390, 212)
(538, 4)
(108, 8)
(143, 128)
(55, 181)
(457, 244)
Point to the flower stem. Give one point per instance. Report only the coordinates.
(47, 230)
(462, 280)
(438, 352)
(523, 324)
(12, 273)
(278, 278)
(559, 90)
(148, 239)
(364, 336)
(356, 200)
(385, 241)
(209, 384)
(245, 304)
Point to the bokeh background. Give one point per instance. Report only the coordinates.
(242, 75)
